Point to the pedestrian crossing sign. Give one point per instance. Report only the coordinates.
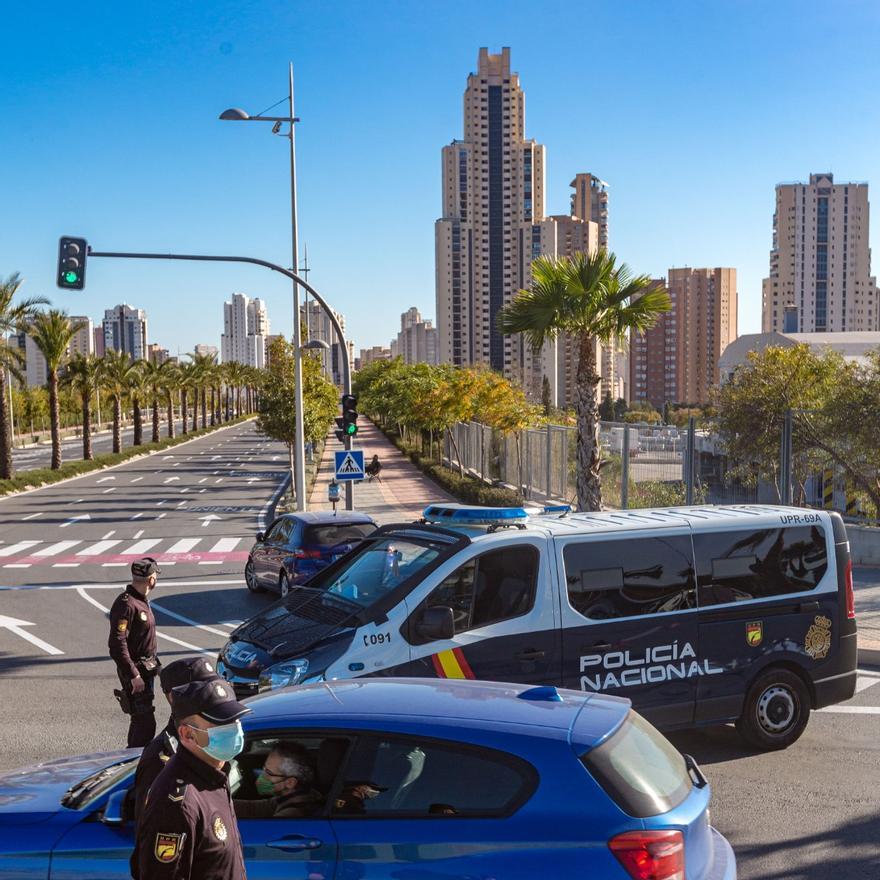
(349, 464)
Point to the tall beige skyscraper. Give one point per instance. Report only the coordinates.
(589, 201)
(820, 265)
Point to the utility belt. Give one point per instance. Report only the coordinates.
(148, 666)
(134, 704)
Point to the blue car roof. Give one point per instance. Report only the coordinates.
(327, 517)
(426, 700)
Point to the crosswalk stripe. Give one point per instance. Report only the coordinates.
(184, 545)
(97, 548)
(140, 547)
(225, 545)
(12, 549)
(55, 549)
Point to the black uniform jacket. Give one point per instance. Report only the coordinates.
(132, 632)
(187, 830)
(154, 757)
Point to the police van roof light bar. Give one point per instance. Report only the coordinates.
(462, 514)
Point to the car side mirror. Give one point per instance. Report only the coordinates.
(436, 623)
(261, 537)
(114, 812)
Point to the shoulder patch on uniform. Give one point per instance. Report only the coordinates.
(123, 597)
(178, 792)
(163, 758)
(122, 625)
(168, 847)
(143, 615)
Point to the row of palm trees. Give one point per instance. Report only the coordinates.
(197, 389)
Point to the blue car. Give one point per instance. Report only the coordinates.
(420, 779)
(297, 545)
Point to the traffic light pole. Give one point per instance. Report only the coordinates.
(346, 366)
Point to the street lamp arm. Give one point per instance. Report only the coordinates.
(241, 116)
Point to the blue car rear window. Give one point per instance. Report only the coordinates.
(331, 535)
(640, 770)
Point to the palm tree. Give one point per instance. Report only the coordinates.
(81, 374)
(188, 376)
(153, 383)
(116, 367)
(52, 332)
(169, 383)
(137, 389)
(205, 364)
(593, 300)
(12, 319)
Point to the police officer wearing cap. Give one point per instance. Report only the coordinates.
(187, 830)
(158, 752)
(132, 646)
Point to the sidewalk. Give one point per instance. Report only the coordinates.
(400, 495)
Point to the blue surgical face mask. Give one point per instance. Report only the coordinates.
(224, 742)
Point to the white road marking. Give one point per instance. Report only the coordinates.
(65, 565)
(232, 624)
(137, 535)
(15, 626)
(31, 516)
(184, 489)
(206, 520)
(211, 562)
(176, 464)
(12, 549)
(73, 519)
(253, 480)
(171, 479)
(863, 682)
(17, 565)
(190, 621)
(203, 480)
(851, 710)
(111, 489)
(202, 490)
(78, 501)
(97, 548)
(225, 545)
(167, 457)
(182, 504)
(161, 635)
(109, 534)
(140, 547)
(220, 480)
(136, 516)
(136, 480)
(184, 545)
(55, 549)
(114, 565)
(105, 479)
(160, 516)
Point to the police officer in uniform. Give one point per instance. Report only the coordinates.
(159, 750)
(187, 830)
(132, 646)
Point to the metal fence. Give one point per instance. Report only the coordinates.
(642, 465)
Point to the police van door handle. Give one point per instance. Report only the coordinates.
(530, 655)
(597, 646)
(295, 843)
(808, 607)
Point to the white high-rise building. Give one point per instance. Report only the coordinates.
(313, 316)
(416, 342)
(83, 340)
(245, 329)
(203, 349)
(820, 265)
(125, 329)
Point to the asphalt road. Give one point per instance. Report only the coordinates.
(807, 813)
(30, 457)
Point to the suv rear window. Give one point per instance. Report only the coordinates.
(640, 770)
(331, 535)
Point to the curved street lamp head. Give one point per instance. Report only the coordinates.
(234, 114)
(316, 344)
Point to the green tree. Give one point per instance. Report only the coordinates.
(13, 318)
(81, 375)
(52, 331)
(116, 367)
(606, 408)
(594, 300)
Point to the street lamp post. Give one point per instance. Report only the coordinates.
(299, 465)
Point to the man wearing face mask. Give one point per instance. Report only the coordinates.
(132, 646)
(286, 785)
(188, 830)
(159, 750)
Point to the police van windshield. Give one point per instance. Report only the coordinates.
(381, 568)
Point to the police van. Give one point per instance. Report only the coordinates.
(699, 615)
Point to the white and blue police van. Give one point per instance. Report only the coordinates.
(699, 615)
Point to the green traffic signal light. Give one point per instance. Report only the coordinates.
(71, 277)
(351, 430)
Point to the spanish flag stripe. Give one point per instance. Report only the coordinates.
(438, 668)
(462, 662)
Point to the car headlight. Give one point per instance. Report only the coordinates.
(284, 674)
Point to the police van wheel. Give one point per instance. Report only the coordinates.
(284, 585)
(250, 578)
(776, 710)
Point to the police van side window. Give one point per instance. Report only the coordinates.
(759, 563)
(630, 577)
(493, 587)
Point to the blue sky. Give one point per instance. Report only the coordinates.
(692, 111)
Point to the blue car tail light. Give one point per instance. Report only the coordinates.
(650, 855)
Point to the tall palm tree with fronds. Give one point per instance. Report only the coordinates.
(13, 318)
(188, 374)
(169, 382)
(137, 391)
(52, 332)
(81, 374)
(116, 367)
(594, 300)
(204, 364)
(153, 383)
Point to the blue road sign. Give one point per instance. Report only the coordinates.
(350, 464)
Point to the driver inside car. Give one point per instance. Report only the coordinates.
(285, 783)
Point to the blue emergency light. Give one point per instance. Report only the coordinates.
(463, 515)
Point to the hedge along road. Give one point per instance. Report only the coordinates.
(65, 552)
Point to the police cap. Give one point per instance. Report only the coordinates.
(145, 567)
(214, 700)
(184, 671)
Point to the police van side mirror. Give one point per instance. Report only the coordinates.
(261, 537)
(436, 623)
(114, 812)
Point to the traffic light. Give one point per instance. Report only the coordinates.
(72, 263)
(347, 422)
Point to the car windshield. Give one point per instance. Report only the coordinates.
(331, 535)
(87, 790)
(373, 574)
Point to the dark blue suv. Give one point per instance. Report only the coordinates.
(297, 545)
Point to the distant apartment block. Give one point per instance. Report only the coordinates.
(369, 355)
(589, 201)
(125, 330)
(320, 327)
(156, 354)
(820, 263)
(205, 350)
(245, 330)
(83, 341)
(98, 341)
(677, 360)
(416, 342)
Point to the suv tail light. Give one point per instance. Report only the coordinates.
(850, 596)
(650, 855)
(306, 553)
